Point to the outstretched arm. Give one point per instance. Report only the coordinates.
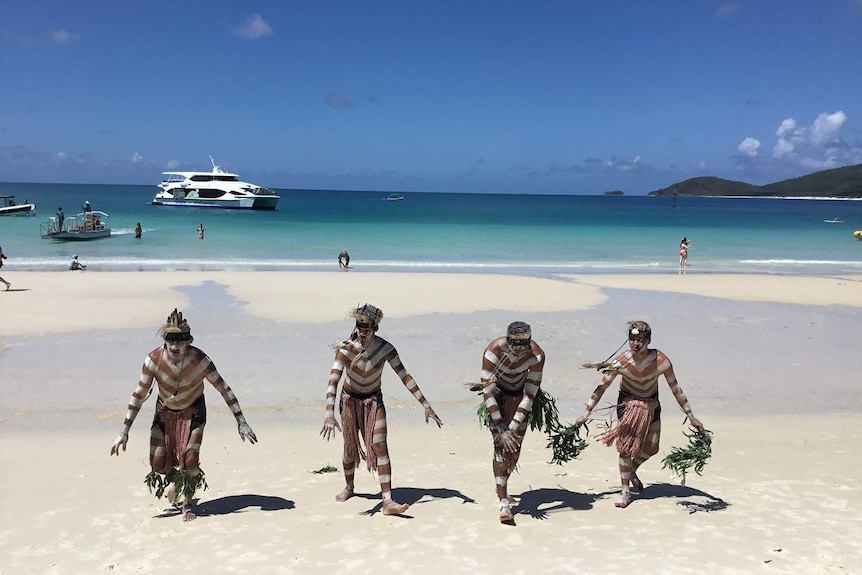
(330, 423)
(666, 368)
(244, 429)
(607, 379)
(139, 396)
(413, 387)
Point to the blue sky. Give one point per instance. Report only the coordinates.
(552, 97)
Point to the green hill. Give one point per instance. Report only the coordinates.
(836, 183)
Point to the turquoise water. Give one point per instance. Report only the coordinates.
(528, 234)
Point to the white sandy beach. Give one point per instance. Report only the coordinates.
(769, 364)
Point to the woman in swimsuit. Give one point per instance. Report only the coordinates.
(683, 254)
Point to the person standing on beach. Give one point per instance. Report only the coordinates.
(512, 368)
(683, 254)
(138, 230)
(344, 260)
(3, 257)
(179, 371)
(200, 231)
(360, 359)
(638, 426)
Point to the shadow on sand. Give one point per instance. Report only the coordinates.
(232, 504)
(415, 496)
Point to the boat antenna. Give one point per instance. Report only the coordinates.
(216, 169)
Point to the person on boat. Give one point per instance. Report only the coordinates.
(200, 231)
(512, 368)
(3, 257)
(344, 260)
(76, 265)
(179, 371)
(684, 244)
(360, 359)
(138, 230)
(638, 426)
(86, 208)
(60, 217)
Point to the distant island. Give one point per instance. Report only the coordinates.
(836, 183)
(614, 193)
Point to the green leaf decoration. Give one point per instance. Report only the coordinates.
(693, 456)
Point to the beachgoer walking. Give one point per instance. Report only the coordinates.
(361, 359)
(683, 254)
(138, 230)
(511, 375)
(200, 231)
(344, 260)
(3, 257)
(179, 370)
(638, 427)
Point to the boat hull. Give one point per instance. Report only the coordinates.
(22, 210)
(256, 203)
(77, 236)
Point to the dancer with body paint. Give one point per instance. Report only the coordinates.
(179, 371)
(360, 361)
(511, 375)
(638, 426)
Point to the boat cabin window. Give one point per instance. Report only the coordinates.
(201, 178)
(225, 178)
(210, 193)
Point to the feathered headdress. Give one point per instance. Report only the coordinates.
(176, 328)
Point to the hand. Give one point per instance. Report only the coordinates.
(695, 422)
(330, 424)
(245, 432)
(122, 439)
(580, 421)
(430, 414)
(510, 440)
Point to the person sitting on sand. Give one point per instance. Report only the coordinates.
(75, 265)
(179, 370)
(638, 425)
(361, 359)
(512, 368)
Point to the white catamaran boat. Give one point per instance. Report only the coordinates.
(216, 189)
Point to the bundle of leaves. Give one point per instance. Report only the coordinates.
(326, 469)
(692, 456)
(186, 483)
(564, 441)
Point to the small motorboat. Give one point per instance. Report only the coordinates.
(835, 220)
(8, 207)
(394, 197)
(858, 234)
(85, 226)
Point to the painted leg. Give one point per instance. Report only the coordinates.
(650, 447)
(349, 473)
(625, 478)
(384, 466)
(501, 480)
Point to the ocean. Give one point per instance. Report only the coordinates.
(437, 232)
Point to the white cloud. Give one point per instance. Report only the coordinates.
(255, 27)
(60, 36)
(827, 126)
(137, 158)
(61, 156)
(172, 164)
(749, 147)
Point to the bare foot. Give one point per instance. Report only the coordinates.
(391, 507)
(171, 493)
(187, 514)
(8, 286)
(637, 485)
(345, 495)
(506, 514)
(624, 500)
